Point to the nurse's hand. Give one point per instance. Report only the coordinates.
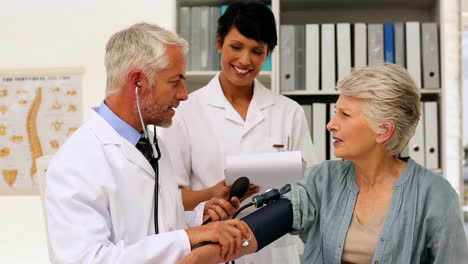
(220, 209)
(253, 189)
(220, 190)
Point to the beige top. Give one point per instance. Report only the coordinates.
(361, 240)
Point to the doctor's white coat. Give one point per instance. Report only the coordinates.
(99, 201)
(206, 128)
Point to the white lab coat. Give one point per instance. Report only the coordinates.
(99, 201)
(206, 128)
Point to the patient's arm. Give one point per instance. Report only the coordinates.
(211, 254)
(266, 224)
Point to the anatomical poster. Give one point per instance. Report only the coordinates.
(39, 110)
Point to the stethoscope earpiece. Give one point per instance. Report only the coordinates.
(145, 132)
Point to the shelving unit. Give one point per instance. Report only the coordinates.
(447, 13)
(198, 79)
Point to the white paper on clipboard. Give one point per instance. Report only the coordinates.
(267, 170)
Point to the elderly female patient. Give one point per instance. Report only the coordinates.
(372, 207)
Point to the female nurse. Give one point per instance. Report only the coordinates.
(234, 113)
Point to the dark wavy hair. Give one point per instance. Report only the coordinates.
(252, 19)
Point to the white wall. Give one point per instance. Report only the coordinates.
(465, 87)
(51, 34)
(465, 70)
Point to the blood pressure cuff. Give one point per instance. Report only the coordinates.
(271, 222)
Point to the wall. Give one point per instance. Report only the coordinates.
(55, 33)
(465, 71)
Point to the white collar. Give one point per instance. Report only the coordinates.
(261, 98)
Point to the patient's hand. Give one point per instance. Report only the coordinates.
(212, 253)
(203, 255)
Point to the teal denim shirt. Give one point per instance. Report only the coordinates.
(423, 225)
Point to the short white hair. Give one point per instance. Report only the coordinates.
(389, 93)
(141, 46)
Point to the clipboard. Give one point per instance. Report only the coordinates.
(267, 170)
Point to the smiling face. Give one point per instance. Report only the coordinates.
(242, 58)
(352, 134)
(157, 102)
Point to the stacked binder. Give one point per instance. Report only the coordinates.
(198, 25)
(332, 50)
(315, 56)
(423, 147)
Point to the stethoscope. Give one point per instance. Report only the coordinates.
(155, 145)
(153, 160)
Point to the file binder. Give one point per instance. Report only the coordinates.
(413, 51)
(195, 39)
(287, 56)
(319, 130)
(389, 43)
(431, 131)
(416, 146)
(308, 115)
(214, 54)
(430, 55)
(312, 57)
(184, 30)
(299, 52)
(330, 138)
(328, 57)
(375, 44)
(343, 35)
(400, 47)
(360, 44)
(205, 58)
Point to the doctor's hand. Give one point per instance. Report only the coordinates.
(228, 234)
(220, 209)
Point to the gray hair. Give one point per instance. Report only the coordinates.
(389, 93)
(141, 46)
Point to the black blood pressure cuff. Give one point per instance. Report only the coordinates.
(271, 222)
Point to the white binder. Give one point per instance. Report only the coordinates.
(431, 131)
(330, 138)
(413, 64)
(343, 35)
(375, 44)
(360, 44)
(319, 135)
(308, 115)
(400, 44)
(184, 29)
(195, 39)
(312, 57)
(413, 51)
(416, 146)
(328, 57)
(299, 34)
(287, 64)
(214, 54)
(430, 55)
(205, 50)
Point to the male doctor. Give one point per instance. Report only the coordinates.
(100, 196)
